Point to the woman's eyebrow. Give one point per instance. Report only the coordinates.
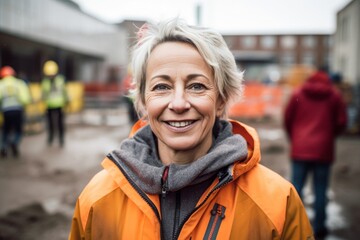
(162, 76)
(188, 77)
(195, 75)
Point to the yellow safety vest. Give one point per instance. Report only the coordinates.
(54, 92)
(14, 94)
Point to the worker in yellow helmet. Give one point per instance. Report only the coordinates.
(55, 96)
(14, 95)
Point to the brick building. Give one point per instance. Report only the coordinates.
(262, 55)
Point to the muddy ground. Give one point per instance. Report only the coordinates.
(39, 190)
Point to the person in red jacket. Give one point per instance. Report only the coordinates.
(314, 117)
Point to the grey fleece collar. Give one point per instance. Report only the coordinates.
(138, 157)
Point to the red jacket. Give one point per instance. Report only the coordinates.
(314, 116)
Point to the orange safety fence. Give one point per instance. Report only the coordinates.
(259, 101)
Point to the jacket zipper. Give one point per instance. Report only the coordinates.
(177, 212)
(138, 190)
(224, 178)
(217, 215)
(164, 190)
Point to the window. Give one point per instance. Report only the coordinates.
(328, 42)
(309, 41)
(288, 58)
(268, 42)
(248, 41)
(308, 58)
(328, 59)
(288, 42)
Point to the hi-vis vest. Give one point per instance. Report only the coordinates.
(54, 92)
(14, 94)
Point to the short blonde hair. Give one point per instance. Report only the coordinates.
(209, 43)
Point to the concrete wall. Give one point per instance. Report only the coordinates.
(347, 43)
(55, 23)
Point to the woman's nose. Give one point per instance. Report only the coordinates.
(179, 102)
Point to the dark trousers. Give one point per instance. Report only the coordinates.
(55, 124)
(12, 128)
(321, 174)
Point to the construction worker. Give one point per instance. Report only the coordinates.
(14, 95)
(128, 96)
(55, 97)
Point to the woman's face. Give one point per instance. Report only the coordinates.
(181, 99)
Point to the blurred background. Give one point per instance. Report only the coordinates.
(277, 43)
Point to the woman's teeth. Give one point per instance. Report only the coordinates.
(180, 124)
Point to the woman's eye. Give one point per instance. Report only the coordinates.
(160, 87)
(197, 86)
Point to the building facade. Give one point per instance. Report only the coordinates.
(347, 59)
(85, 48)
(347, 43)
(261, 56)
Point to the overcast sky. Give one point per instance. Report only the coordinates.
(227, 16)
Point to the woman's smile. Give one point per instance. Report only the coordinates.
(180, 124)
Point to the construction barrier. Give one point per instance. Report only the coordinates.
(259, 101)
(75, 92)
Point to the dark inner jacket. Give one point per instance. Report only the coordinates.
(182, 186)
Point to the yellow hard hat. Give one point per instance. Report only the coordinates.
(50, 68)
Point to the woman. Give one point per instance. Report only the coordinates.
(186, 173)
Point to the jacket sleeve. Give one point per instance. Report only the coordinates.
(297, 225)
(25, 95)
(76, 231)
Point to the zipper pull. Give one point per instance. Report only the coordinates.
(164, 182)
(224, 177)
(221, 174)
(219, 211)
(217, 216)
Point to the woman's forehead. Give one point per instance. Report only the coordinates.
(167, 49)
(174, 57)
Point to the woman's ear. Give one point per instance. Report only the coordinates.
(220, 107)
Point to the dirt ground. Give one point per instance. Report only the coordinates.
(39, 190)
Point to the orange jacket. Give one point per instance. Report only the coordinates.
(256, 204)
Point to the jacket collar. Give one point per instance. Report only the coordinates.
(247, 132)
